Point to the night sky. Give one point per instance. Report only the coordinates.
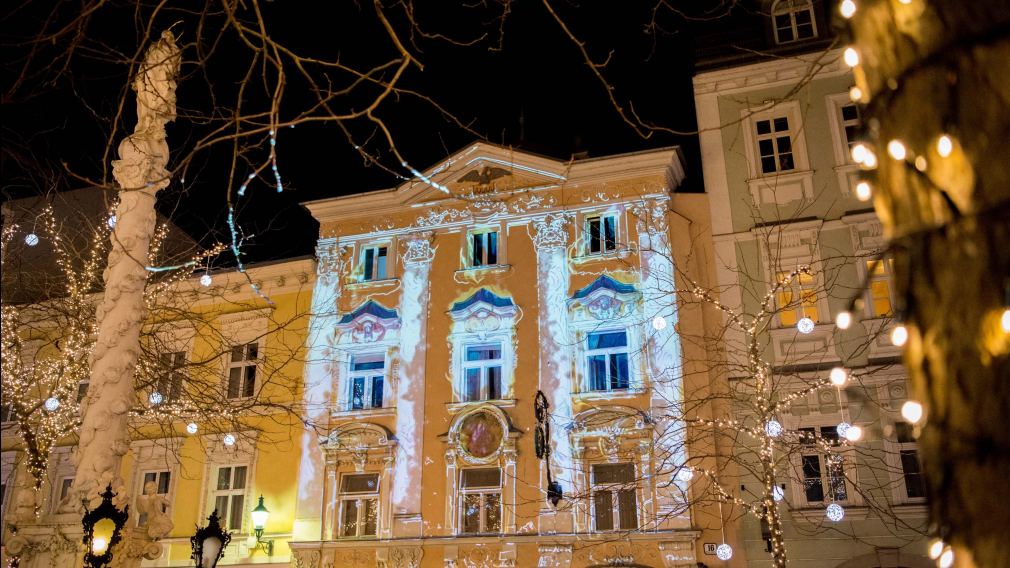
(534, 94)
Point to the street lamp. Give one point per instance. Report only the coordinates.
(209, 542)
(103, 530)
(259, 517)
(542, 445)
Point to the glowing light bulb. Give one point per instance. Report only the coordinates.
(843, 320)
(777, 493)
(859, 153)
(685, 474)
(896, 149)
(944, 146)
(843, 428)
(834, 512)
(156, 398)
(838, 376)
(920, 163)
(854, 433)
(52, 404)
(847, 8)
(1004, 320)
(946, 558)
(724, 551)
(936, 549)
(911, 411)
(906, 2)
(851, 56)
(206, 280)
(192, 428)
(863, 191)
(112, 222)
(870, 161)
(805, 325)
(99, 545)
(659, 323)
(229, 439)
(773, 428)
(899, 335)
(856, 94)
(31, 239)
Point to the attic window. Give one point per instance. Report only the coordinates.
(793, 21)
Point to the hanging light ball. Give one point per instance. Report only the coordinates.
(659, 323)
(843, 320)
(724, 551)
(847, 8)
(206, 280)
(31, 239)
(863, 191)
(52, 404)
(778, 493)
(834, 512)
(685, 474)
(773, 428)
(192, 428)
(853, 433)
(229, 439)
(156, 398)
(936, 549)
(843, 428)
(838, 376)
(911, 411)
(112, 221)
(899, 335)
(805, 325)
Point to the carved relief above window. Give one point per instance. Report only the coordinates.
(371, 322)
(602, 317)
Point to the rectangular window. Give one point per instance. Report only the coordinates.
(607, 360)
(82, 390)
(242, 370)
(374, 263)
(366, 381)
(911, 469)
(797, 300)
(823, 473)
(65, 485)
(170, 375)
(162, 480)
(794, 21)
(775, 145)
(601, 231)
(229, 496)
(615, 505)
(359, 505)
(850, 122)
(482, 372)
(484, 248)
(480, 501)
(879, 286)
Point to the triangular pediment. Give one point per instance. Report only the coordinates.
(483, 169)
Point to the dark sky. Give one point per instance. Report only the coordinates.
(535, 93)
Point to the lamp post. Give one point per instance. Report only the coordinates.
(542, 443)
(259, 517)
(209, 542)
(103, 528)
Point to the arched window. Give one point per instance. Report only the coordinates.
(793, 21)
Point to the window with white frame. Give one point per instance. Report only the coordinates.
(61, 492)
(823, 471)
(374, 262)
(775, 144)
(601, 234)
(798, 299)
(359, 505)
(879, 277)
(483, 248)
(365, 381)
(480, 501)
(615, 503)
(607, 360)
(228, 495)
(242, 370)
(912, 482)
(482, 372)
(163, 482)
(793, 20)
(170, 375)
(849, 123)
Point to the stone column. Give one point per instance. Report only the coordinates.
(406, 498)
(319, 385)
(551, 239)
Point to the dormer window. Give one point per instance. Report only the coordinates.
(793, 21)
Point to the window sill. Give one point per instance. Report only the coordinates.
(608, 394)
(371, 283)
(455, 407)
(372, 412)
(593, 256)
(491, 268)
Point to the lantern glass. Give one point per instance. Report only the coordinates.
(209, 551)
(102, 536)
(260, 515)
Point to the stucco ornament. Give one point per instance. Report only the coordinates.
(418, 249)
(480, 435)
(550, 231)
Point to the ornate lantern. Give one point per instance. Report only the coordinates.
(259, 516)
(209, 543)
(542, 443)
(103, 529)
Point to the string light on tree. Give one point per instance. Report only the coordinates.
(863, 191)
(899, 335)
(156, 398)
(724, 551)
(847, 8)
(897, 150)
(206, 280)
(856, 94)
(838, 376)
(843, 320)
(850, 56)
(944, 146)
(1004, 320)
(805, 325)
(112, 221)
(685, 474)
(31, 239)
(920, 163)
(946, 559)
(936, 549)
(911, 411)
(843, 428)
(834, 512)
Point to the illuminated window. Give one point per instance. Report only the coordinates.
(797, 300)
(615, 504)
(170, 375)
(793, 20)
(823, 472)
(775, 145)
(482, 372)
(483, 248)
(879, 286)
(366, 381)
(242, 370)
(162, 480)
(908, 455)
(359, 505)
(607, 360)
(228, 496)
(601, 234)
(374, 263)
(480, 501)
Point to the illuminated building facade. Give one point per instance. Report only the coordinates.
(441, 309)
